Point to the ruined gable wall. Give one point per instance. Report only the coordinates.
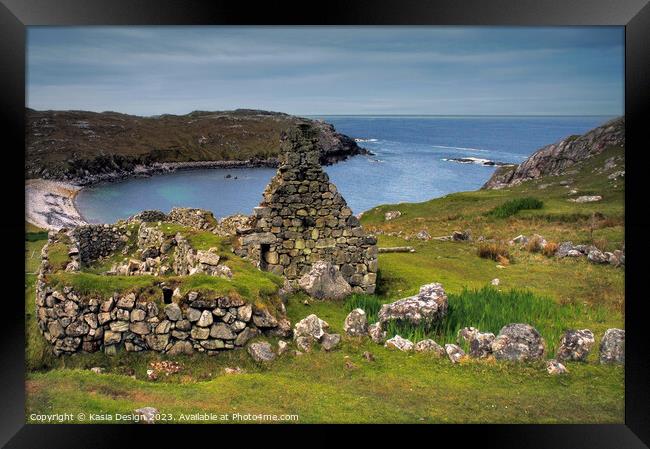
(303, 219)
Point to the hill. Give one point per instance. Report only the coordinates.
(86, 147)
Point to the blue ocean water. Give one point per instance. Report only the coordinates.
(409, 165)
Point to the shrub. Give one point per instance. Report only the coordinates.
(493, 250)
(550, 249)
(511, 207)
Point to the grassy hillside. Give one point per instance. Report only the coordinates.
(343, 386)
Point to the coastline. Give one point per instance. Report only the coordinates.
(50, 204)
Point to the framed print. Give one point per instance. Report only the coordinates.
(397, 213)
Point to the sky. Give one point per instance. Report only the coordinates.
(328, 70)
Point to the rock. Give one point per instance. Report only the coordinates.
(181, 347)
(222, 271)
(324, 281)
(612, 346)
(146, 415)
(261, 352)
(263, 318)
(429, 345)
(376, 333)
(356, 323)
(111, 337)
(283, 346)
(222, 331)
(392, 214)
(423, 235)
(428, 306)
(244, 313)
(466, 334)
(97, 370)
(518, 342)
(209, 257)
(205, 319)
(597, 256)
(200, 333)
(563, 249)
(173, 312)
(368, 356)
(140, 328)
(244, 336)
(574, 253)
(554, 367)
(400, 343)
(235, 370)
(519, 240)
(480, 344)
(587, 199)
(157, 342)
(575, 345)
(127, 302)
(311, 326)
(454, 352)
(304, 343)
(495, 282)
(458, 236)
(330, 341)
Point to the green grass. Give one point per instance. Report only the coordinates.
(511, 207)
(368, 303)
(552, 295)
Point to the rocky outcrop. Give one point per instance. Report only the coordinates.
(557, 158)
(428, 306)
(87, 147)
(303, 219)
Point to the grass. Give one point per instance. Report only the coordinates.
(497, 251)
(551, 294)
(511, 207)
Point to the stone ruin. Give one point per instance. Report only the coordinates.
(303, 219)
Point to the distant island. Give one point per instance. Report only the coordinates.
(84, 148)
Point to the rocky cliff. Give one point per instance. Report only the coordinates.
(556, 158)
(86, 147)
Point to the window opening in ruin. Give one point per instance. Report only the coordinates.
(167, 295)
(264, 250)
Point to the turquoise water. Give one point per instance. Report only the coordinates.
(409, 165)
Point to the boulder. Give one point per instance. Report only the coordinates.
(587, 199)
(575, 345)
(356, 323)
(612, 346)
(518, 342)
(205, 319)
(261, 351)
(209, 257)
(597, 256)
(330, 341)
(263, 318)
(376, 333)
(423, 235)
(305, 343)
(563, 249)
(430, 346)
(283, 346)
(519, 240)
(459, 236)
(466, 334)
(454, 352)
(311, 326)
(181, 347)
(392, 214)
(324, 281)
(400, 343)
(480, 344)
(428, 306)
(554, 367)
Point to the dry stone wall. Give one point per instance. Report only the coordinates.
(73, 322)
(303, 219)
(97, 241)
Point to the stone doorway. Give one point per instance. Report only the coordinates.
(265, 248)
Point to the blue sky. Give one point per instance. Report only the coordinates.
(328, 70)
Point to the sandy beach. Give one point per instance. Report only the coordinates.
(50, 204)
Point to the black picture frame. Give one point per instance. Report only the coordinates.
(15, 15)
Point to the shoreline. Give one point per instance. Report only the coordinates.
(50, 204)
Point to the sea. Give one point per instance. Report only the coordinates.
(412, 161)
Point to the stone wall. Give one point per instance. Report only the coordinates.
(195, 218)
(97, 241)
(303, 219)
(72, 322)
